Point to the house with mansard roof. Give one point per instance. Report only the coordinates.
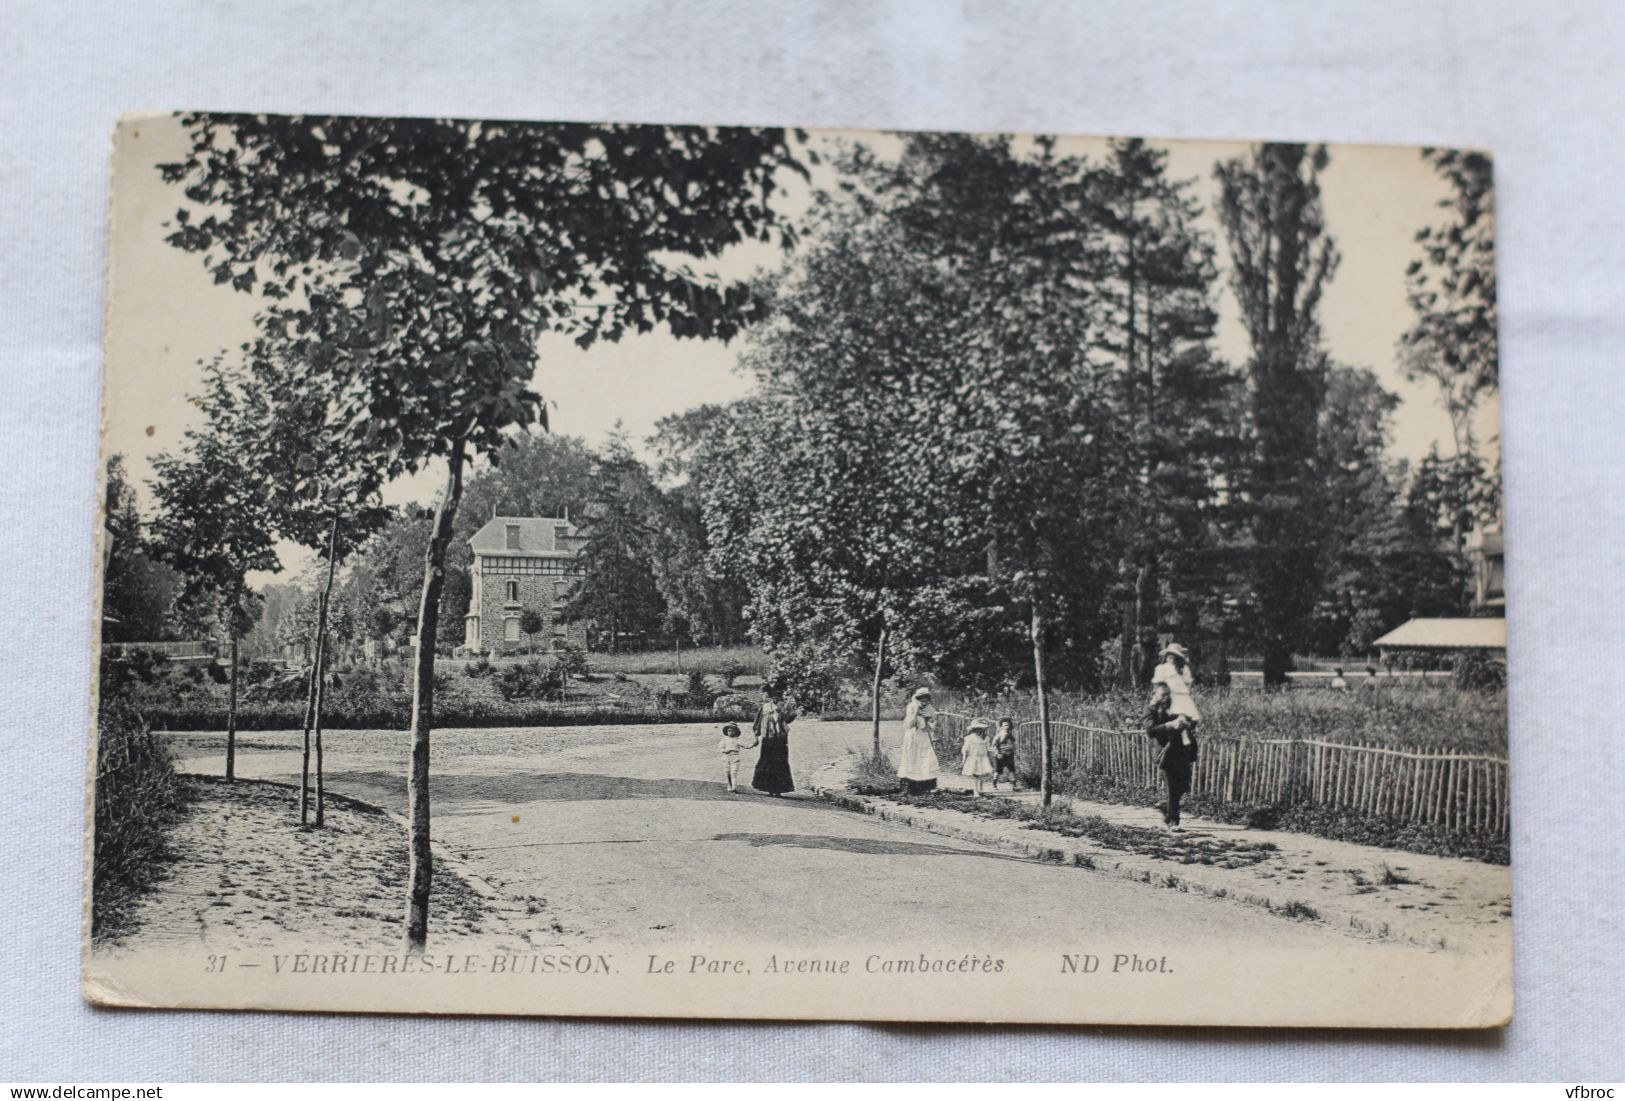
(520, 564)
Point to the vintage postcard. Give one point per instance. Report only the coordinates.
(687, 571)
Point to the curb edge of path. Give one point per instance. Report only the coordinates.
(1073, 852)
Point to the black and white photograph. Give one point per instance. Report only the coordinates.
(645, 570)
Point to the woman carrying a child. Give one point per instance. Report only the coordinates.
(772, 727)
(1171, 722)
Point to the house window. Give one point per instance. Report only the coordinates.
(511, 591)
(510, 629)
(513, 537)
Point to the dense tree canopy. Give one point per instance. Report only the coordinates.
(410, 265)
(139, 592)
(1451, 288)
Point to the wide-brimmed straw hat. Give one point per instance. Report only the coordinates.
(979, 724)
(1177, 650)
(922, 693)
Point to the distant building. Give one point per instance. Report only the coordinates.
(522, 563)
(1440, 637)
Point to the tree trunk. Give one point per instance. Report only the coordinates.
(1126, 641)
(310, 722)
(1045, 756)
(880, 660)
(231, 689)
(1145, 619)
(420, 862)
(1277, 658)
(321, 656)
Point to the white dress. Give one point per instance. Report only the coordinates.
(977, 762)
(918, 760)
(1179, 690)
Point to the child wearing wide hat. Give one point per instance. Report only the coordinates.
(977, 765)
(730, 745)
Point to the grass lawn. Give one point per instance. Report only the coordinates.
(709, 660)
(1437, 717)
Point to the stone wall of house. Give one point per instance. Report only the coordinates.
(540, 592)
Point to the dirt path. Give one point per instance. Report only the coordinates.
(630, 836)
(243, 875)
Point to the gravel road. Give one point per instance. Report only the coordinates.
(629, 836)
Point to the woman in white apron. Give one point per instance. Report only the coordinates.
(917, 764)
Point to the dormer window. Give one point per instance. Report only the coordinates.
(561, 535)
(513, 537)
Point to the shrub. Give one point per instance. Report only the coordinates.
(572, 659)
(1479, 671)
(696, 693)
(532, 680)
(138, 795)
(393, 712)
(733, 702)
(480, 667)
(120, 672)
(873, 774)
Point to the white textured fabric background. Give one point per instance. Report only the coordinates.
(1538, 83)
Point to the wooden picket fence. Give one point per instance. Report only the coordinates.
(1458, 792)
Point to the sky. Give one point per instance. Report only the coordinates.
(165, 314)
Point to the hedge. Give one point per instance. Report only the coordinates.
(394, 713)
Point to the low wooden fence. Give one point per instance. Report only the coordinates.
(186, 649)
(1458, 792)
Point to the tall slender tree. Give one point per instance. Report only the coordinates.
(213, 522)
(1454, 342)
(1157, 327)
(1280, 261)
(1452, 291)
(616, 591)
(416, 261)
(324, 486)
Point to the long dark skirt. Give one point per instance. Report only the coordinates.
(773, 767)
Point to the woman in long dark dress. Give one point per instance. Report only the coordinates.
(772, 728)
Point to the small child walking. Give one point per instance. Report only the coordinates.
(730, 746)
(974, 751)
(1004, 754)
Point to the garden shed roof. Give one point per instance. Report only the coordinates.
(1478, 633)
